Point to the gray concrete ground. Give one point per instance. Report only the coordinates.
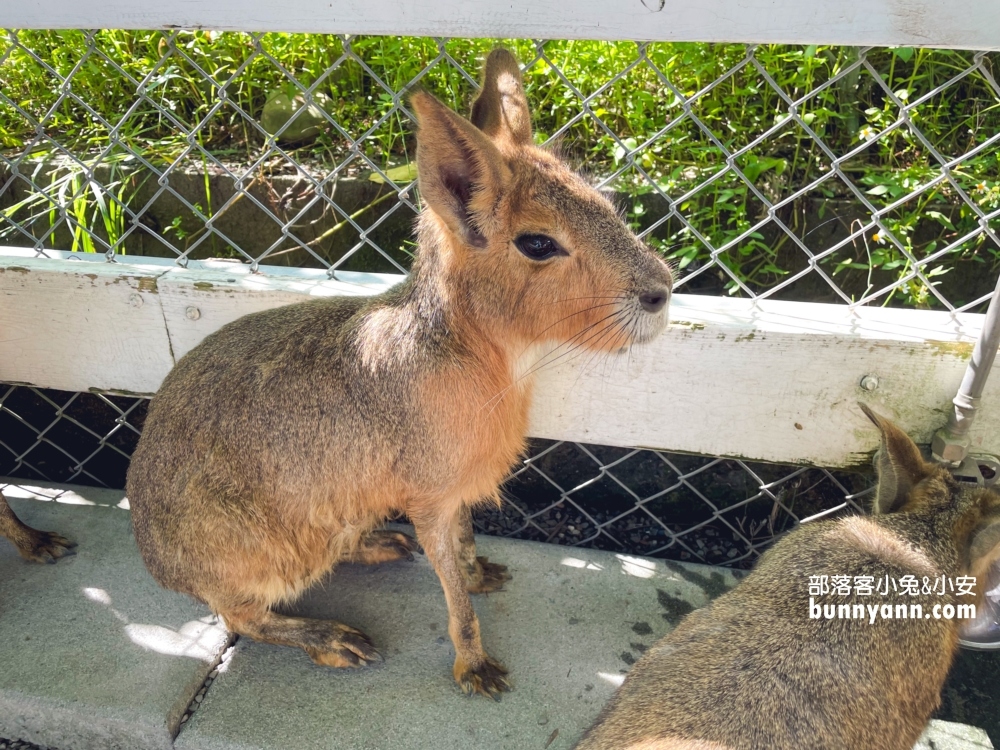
(567, 627)
(95, 655)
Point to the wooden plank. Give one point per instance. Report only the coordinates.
(779, 382)
(775, 381)
(186, 305)
(77, 326)
(198, 301)
(969, 24)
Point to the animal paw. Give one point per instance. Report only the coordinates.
(383, 545)
(45, 547)
(346, 648)
(489, 678)
(493, 577)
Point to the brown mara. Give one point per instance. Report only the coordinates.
(753, 671)
(276, 447)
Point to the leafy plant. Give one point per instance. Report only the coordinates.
(652, 124)
(89, 207)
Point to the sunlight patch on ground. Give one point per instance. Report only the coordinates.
(614, 679)
(575, 562)
(197, 639)
(53, 495)
(98, 595)
(637, 566)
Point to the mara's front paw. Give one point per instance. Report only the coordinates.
(489, 577)
(488, 678)
(384, 545)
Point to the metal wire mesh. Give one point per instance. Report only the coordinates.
(60, 436)
(157, 174)
(694, 508)
(867, 182)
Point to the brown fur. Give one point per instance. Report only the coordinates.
(32, 544)
(751, 671)
(276, 446)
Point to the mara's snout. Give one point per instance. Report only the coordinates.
(654, 301)
(653, 313)
(646, 310)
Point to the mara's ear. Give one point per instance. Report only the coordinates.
(501, 109)
(461, 173)
(899, 465)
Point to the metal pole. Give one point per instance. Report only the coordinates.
(951, 443)
(951, 446)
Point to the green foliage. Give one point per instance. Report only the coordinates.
(86, 202)
(168, 95)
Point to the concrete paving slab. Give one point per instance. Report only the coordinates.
(94, 654)
(947, 735)
(567, 626)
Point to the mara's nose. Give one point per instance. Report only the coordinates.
(654, 301)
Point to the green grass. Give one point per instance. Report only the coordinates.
(735, 112)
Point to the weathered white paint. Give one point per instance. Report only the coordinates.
(81, 325)
(773, 381)
(779, 382)
(970, 24)
(198, 300)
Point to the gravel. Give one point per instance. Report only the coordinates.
(200, 696)
(21, 745)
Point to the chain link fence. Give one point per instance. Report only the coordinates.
(844, 175)
(695, 508)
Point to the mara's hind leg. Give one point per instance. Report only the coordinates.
(384, 545)
(327, 642)
(480, 575)
(32, 544)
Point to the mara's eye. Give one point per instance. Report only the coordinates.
(538, 246)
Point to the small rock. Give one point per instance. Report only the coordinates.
(307, 121)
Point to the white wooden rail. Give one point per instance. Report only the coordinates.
(969, 24)
(775, 381)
